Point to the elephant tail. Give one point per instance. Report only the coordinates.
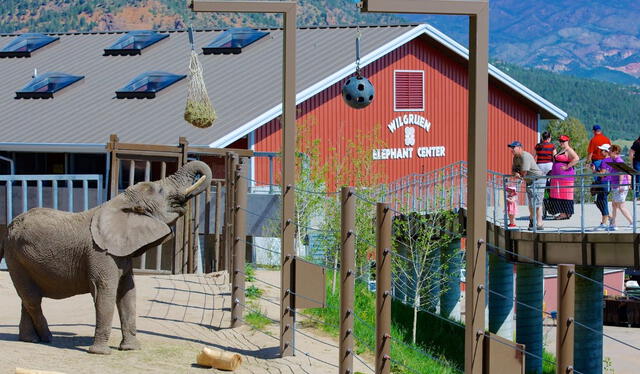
(2, 248)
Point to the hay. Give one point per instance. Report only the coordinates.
(199, 112)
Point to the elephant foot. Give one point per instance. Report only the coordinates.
(46, 337)
(129, 344)
(100, 349)
(29, 338)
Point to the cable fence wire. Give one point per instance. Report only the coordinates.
(275, 321)
(605, 335)
(258, 280)
(604, 285)
(521, 350)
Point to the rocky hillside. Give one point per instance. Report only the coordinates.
(588, 38)
(104, 15)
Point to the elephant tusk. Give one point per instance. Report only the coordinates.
(195, 185)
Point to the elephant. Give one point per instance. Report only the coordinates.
(56, 254)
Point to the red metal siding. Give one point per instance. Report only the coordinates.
(445, 94)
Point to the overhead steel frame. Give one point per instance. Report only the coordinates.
(478, 12)
(288, 10)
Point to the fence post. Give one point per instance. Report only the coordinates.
(504, 197)
(217, 265)
(383, 288)
(347, 279)
(582, 205)
(634, 186)
(566, 305)
(239, 244)
(232, 161)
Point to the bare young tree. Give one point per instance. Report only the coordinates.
(418, 263)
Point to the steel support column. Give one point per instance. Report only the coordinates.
(501, 299)
(450, 297)
(529, 291)
(588, 310)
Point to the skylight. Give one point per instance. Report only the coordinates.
(233, 40)
(24, 44)
(147, 85)
(45, 85)
(133, 42)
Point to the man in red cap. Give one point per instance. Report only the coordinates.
(593, 153)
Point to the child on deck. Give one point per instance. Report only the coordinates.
(512, 204)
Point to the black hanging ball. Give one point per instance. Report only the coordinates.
(358, 92)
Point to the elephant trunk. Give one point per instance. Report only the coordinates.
(191, 179)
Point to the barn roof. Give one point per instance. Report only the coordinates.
(245, 89)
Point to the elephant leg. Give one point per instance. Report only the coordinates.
(126, 303)
(105, 299)
(38, 322)
(33, 326)
(27, 330)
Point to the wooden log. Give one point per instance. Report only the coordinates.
(219, 359)
(31, 371)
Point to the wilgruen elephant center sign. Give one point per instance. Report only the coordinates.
(409, 122)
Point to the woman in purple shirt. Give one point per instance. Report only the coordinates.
(619, 186)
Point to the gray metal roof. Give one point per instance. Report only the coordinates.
(245, 89)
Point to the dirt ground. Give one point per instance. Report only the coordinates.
(177, 316)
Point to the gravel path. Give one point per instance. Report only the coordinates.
(177, 316)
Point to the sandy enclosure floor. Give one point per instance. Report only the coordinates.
(177, 316)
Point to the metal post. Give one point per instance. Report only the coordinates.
(232, 162)
(633, 184)
(239, 246)
(384, 220)
(582, 205)
(566, 304)
(347, 279)
(504, 197)
(287, 305)
(217, 227)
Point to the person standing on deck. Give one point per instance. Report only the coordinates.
(594, 156)
(634, 155)
(525, 167)
(545, 150)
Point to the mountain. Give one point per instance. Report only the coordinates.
(107, 15)
(590, 38)
(613, 106)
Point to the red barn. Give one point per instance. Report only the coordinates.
(416, 123)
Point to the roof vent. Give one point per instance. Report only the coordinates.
(233, 40)
(133, 42)
(45, 85)
(147, 85)
(24, 44)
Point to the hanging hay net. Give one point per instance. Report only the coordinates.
(199, 112)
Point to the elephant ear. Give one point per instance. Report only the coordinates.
(121, 229)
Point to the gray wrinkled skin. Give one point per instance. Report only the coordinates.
(56, 254)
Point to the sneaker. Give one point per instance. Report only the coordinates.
(530, 225)
(601, 227)
(512, 226)
(613, 228)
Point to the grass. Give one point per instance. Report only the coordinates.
(408, 355)
(257, 320)
(253, 292)
(250, 273)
